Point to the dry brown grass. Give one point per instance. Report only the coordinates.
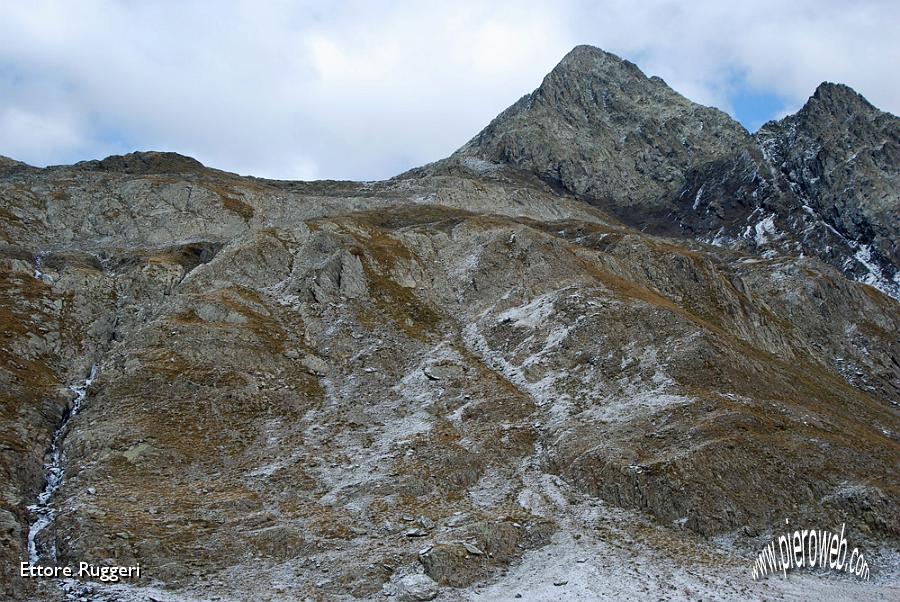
(238, 207)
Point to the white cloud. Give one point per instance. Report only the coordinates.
(29, 133)
(368, 89)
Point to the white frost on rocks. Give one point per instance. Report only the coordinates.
(533, 314)
(603, 553)
(480, 167)
(862, 253)
(874, 276)
(636, 398)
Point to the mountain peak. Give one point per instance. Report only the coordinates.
(599, 128)
(840, 152)
(592, 63)
(839, 100)
(585, 55)
(831, 90)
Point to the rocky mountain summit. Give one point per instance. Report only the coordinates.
(822, 182)
(607, 348)
(601, 130)
(839, 156)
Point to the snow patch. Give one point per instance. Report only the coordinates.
(697, 198)
(765, 230)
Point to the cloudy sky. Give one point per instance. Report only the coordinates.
(365, 90)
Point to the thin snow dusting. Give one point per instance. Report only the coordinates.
(874, 276)
(399, 420)
(630, 407)
(480, 167)
(532, 314)
(862, 254)
(634, 399)
(604, 553)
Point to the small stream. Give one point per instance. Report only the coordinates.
(42, 513)
(39, 265)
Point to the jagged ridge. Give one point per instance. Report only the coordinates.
(601, 130)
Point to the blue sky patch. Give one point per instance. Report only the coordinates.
(753, 108)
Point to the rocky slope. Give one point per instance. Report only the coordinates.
(523, 365)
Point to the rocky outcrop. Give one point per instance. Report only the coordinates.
(145, 163)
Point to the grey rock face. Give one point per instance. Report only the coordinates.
(319, 389)
(840, 156)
